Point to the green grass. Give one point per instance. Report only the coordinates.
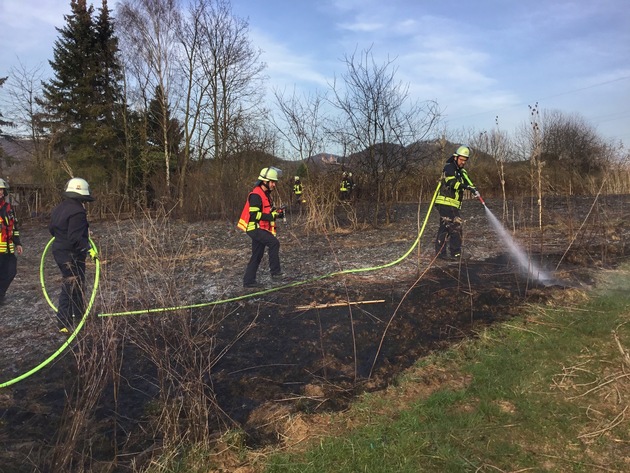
(546, 392)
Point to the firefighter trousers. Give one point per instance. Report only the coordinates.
(262, 239)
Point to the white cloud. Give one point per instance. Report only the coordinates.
(285, 66)
(362, 26)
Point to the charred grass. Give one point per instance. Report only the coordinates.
(218, 387)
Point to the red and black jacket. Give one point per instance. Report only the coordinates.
(9, 233)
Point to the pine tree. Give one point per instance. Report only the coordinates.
(109, 79)
(84, 99)
(155, 125)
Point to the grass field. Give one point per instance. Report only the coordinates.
(549, 391)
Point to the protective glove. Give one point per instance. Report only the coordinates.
(278, 214)
(474, 191)
(93, 254)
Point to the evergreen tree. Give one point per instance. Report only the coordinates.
(109, 79)
(174, 132)
(83, 101)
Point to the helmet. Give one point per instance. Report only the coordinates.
(297, 178)
(463, 151)
(3, 184)
(269, 174)
(77, 188)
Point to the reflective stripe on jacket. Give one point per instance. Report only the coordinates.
(246, 224)
(9, 234)
(453, 183)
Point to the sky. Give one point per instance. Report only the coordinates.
(478, 60)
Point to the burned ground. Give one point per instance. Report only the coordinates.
(310, 345)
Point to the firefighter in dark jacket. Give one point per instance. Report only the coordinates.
(298, 190)
(9, 242)
(347, 184)
(448, 202)
(70, 227)
(258, 220)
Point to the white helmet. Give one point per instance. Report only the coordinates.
(77, 188)
(3, 184)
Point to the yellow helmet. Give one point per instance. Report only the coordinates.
(463, 151)
(269, 174)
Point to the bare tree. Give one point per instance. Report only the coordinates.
(148, 32)
(300, 122)
(233, 72)
(378, 121)
(23, 87)
(495, 143)
(572, 150)
(536, 161)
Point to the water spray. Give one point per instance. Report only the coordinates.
(521, 257)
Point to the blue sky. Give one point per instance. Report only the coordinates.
(477, 59)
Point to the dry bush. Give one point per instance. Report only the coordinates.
(178, 347)
(96, 354)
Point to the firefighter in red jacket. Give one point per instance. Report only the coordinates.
(9, 242)
(258, 220)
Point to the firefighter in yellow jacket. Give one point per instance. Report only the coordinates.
(9, 242)
(448, 202)
(258, 220)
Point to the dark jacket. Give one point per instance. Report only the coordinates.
(69, 226)
(454, 181)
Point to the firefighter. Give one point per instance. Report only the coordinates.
(345, 189)
(258, 220)
(448, 202)
(298, 191)
(9, 242)
(70, 227)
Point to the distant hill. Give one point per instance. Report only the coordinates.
(421, 153)
(325, 159)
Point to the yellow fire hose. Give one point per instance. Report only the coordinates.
(78, 328)
(158, 310)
